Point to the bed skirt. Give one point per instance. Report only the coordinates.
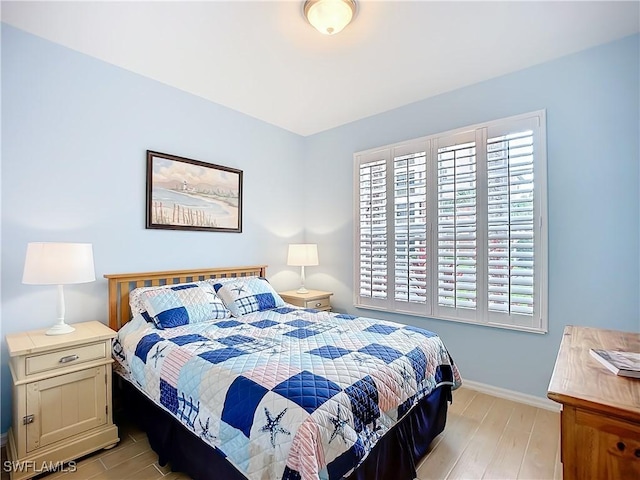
(395, 456)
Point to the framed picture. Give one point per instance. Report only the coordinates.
(186, 194)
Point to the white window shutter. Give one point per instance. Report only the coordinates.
(457, 228)
(516, 248)
(410, 228)
(372, 229)
(510, 222)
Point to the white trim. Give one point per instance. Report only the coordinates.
(3, 439)
(534, 401)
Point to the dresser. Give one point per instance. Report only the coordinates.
(316, 299)
(61, 397)
(600, 419)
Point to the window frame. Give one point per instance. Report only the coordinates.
(480, 133)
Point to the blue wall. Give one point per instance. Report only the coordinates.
(75, 131)
(593, 134)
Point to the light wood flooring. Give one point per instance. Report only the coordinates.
(485, 438)
(491, 438)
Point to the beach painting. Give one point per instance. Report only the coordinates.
(186, 194)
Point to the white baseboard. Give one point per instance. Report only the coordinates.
(532, 400)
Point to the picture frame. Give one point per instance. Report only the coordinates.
(187, 194)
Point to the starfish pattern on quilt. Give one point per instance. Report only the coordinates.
(204, 345)
(406, 376)
(273, 425)
(158, 355)
(362, 360)
(338, 426)
(204, 433)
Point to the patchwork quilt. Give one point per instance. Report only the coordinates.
(286, 393)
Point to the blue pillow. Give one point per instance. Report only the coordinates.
(244, 296)
(176, 305)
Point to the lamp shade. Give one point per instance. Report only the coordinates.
(58, 263)
(303, 254)
(329, 16)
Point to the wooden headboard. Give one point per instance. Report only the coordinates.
(120, 284)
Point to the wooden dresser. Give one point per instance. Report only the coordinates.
(600, 420)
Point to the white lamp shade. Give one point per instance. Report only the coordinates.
(329, 16)
(303, 254)
(58, 263)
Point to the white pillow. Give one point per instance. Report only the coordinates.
(248, 295)
(178, 305)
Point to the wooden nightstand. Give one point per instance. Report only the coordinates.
(61, 397)
(314, 299)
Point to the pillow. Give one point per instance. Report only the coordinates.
(175, 305)
(136, 300)
(248, 295)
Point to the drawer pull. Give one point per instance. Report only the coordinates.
(69, 358)
(621, 446)
(319, 304)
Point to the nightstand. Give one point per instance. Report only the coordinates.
(61, 397)
(314, 299)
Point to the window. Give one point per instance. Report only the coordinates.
(453, 226)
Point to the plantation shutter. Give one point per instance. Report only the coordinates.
(457, 229)
(510, 184)
(372, 231)
(410, 226)
(514, 254)
(453, 226)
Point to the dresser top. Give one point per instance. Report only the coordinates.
(37, 341)
(580, 380)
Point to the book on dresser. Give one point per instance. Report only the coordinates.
(625, 364)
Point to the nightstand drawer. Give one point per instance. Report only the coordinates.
(64, 358)
(319, 304)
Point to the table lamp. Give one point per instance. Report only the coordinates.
(303, 255)
(58, 264)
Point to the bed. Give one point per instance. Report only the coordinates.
(231, 382)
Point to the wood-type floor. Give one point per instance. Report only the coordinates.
(485, 438)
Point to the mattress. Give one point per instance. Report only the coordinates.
(287, 392)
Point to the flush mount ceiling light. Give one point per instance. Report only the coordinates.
(329, 16)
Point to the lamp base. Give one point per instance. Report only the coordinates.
(60, 329)
(302, 290)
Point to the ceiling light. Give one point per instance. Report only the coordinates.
(329, 16)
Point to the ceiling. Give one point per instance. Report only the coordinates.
(263, 59)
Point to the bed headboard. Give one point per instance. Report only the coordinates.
(120, 284)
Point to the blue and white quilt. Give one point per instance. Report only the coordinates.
(286, 393)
